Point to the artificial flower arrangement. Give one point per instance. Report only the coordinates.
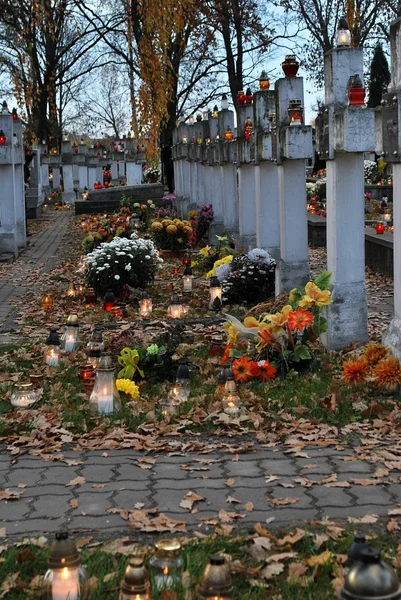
(122, 261)
(281, 340)
(153, 362)
(246, 278)
(128, 387)
(375, 366)
(171, 234)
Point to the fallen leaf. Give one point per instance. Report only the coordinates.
(76, 481)
(232, 500)
(272, 570)
(366, 519)
(73, 503)
(283, 501)
(320, 559)
(189, 499)
(295, 572)
(249, 506)
(230, 481)
(8, 494)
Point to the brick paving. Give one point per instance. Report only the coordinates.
(42, 255)
(259, 477)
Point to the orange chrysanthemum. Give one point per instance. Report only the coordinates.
(299, 319)
(354, 371)
(267, 371)
(388, 372)
(242, 369)
(373, 353)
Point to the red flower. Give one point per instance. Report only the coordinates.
(300, 319)
(255, 369)
(242, 369)
(267, 371)
(226, 354)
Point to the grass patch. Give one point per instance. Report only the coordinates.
(106, 563)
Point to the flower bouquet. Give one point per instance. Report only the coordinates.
(374, 366)
(283, 339)
(152, 174)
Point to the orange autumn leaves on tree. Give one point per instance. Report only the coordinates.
(163, 27)
(373, 365)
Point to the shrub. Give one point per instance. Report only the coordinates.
(122, 261)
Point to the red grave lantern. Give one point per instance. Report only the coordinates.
(380, 229)
(14, 114)
(3, 138)
(109, 301)
(241, 98)
(248, 96)
(98, 155)
(76, 150)
(248, 129)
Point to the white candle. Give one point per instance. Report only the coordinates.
(70, 343)
(52, 359)
(105, 402)
(65, 584)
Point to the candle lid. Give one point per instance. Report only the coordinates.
(95, 351)
(175, 299)
(216, 579)
(187, 270)
(263, 76)
(72, 321)
(23, 386)
(53, 338)
(214, 282)
(63, 552)
(105, 363)
(97, 336)
(183, 370)
(135, 579)
(168, 548)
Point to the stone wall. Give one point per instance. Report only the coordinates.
(108, 199)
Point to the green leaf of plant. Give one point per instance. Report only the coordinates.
(235, 353)
(323, 280)
(302, 352)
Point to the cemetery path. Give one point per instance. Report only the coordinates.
(45, 250)
(109, 493)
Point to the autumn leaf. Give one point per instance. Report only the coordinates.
(249, 506)
(230, 481)
(8, 494)
(366, 519)
(189, 499)
(73, 503)
(320, 559)
(76, 481)
(283, 501)
(271, 570)
(295, 571)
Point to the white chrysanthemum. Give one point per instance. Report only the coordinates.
(260, 256)
(116, 277)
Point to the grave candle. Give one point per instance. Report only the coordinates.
(71, 333)
(167, 564)
(65, 578)
(52, 351)
(47, 301)
(135, 583)
(23, 395)
(105, 397)
(187, 280)
(216, 583)
(145, 307)
(215, 292)
(175, 308)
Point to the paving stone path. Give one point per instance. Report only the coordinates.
(41, 256)
(114, 480)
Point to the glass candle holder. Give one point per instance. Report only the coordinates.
(216, 582)
(231, 403)
(105, 398)
(135, 583)
(66, 578)
(71, 334)
(71, 291)
(116, 312)
(264, 82)
(175, 308)
(47, 301)
(52, 350)
(86, 372)
(295, 112)
(215, 292)
(167, 565)
(94, 354)
(145, 307)
(109, 301)
(23, 395)
(177, 394)
(343, 34)
(96, 340)
(187, 280)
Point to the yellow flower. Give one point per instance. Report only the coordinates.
(251, 322)
(156, 226)
(180, 240)
(188, 230)
(205, 251)
(128, 387)
(292, 295)
(187, 223)
(193, 214)
(314, 296)
(232, 333)
(222, 261)
(171, 229)
(279, 320)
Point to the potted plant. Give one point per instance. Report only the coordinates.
(171, 235)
